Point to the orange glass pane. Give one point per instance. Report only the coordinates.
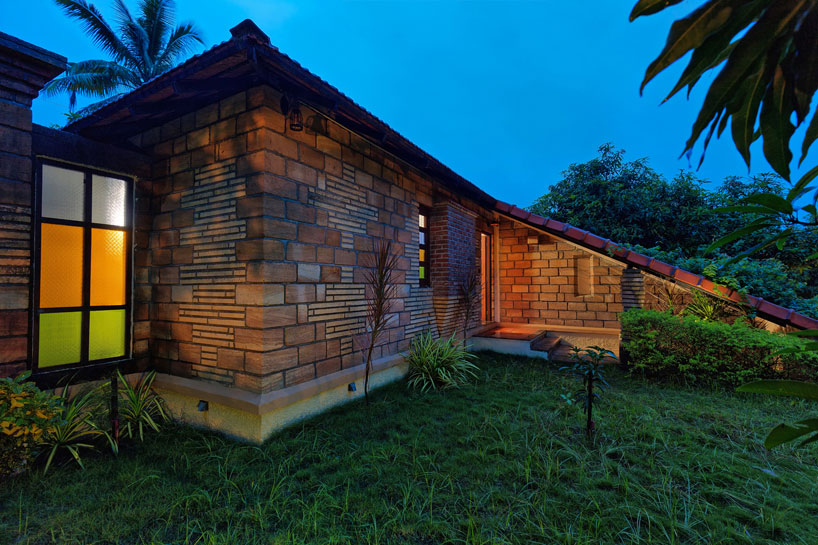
(60, 266)
(107, 267)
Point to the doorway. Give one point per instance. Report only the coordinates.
(486, 279)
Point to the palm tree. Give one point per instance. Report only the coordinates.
(145, 47)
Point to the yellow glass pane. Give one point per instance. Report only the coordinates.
(59, 338)
(107, 267)
(60, 266)
(422, 254)
(106, 337)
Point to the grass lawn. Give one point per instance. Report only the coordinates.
(501, 461)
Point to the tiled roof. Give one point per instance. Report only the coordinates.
(248, 35)
(765, 309)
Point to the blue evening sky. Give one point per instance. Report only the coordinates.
(506, 93)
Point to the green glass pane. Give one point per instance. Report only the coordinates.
(60, 342)
(422, 273)
(106, 335)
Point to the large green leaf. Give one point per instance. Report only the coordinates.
(789, 388)
(809, 137)
(774, 202)
(649, 7)
(784, 433)
(744, 119)
(776, 127)
(800, 186)
(691, 32)
(737, 234)
(805, 62)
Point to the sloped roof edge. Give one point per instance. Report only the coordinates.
(247, 36)
(770, 311)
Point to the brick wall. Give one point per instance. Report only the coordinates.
(24, 69)
(539, 281)
(252, 242)
(454, 254)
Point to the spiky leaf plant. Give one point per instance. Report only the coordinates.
(140, 408)
(439, 363)
(468, 298)
(380, 285)
(75, 430)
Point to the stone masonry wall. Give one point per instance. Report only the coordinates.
(252, 243)
(540, 281)
(24, 70)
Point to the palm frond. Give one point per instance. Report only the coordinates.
(97, 27)
(156, 19)
(95, 78)
(182, 39)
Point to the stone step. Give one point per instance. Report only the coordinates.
(545, 343)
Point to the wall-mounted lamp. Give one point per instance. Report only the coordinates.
(289, 107)
(352, 387)
(203, 406)
(295, 120)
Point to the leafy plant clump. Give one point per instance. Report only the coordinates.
(76, 430)
(438, 364)
(26, 416)
(587, 366)
(688, 349)
(140, 408)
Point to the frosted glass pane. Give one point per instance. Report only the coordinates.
(421, 220)
(60, 338)
(107, 267)
(108, 200)
(60, 266)
(63, 193)
(106, 335)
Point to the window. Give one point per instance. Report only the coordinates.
(82, 280)
(423, 247)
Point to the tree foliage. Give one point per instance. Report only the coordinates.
(140, 48)
(765, 58)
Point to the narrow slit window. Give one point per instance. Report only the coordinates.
(423, 247)
(584, 276)
(82, 292)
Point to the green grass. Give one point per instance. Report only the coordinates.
(502, 460)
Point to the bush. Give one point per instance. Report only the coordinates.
(27, 414)
(438, 363)
(686, 348)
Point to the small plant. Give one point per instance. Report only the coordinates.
(140, 407)
(438, 363)
(468, 298)
(75, 430)
(705, 307)
(380, 296)
(26, 415)
(587, 365)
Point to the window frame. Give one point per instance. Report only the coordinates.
(87, 226)
(426, 281)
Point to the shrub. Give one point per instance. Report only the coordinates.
(26, 415)
(687, 348)
(438, 363)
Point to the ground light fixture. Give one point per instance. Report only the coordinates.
(203, 405)
(352, 387)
